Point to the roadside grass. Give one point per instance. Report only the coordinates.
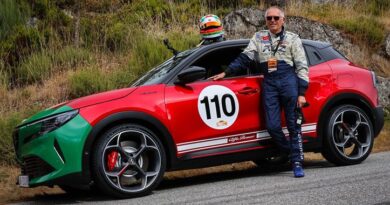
(9, 192)
(366, 23)
(41, 66)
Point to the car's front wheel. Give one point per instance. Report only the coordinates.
(128, 161)
(348, 135)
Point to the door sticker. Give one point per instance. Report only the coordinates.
(218, 106)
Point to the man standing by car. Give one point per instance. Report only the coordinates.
(283, 61)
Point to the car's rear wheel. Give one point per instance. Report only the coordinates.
(128, 161)
(348, 135)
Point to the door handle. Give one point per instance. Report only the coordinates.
(248, 91)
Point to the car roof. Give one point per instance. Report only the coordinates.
(316, 44)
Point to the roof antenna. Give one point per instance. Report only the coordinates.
(169, 46)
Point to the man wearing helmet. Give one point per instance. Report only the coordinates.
(211, 29)
(283, 61)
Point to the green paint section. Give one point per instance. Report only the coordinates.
(71, 139)
(46, 113)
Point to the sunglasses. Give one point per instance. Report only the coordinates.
(276, 18)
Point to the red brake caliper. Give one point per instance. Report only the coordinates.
(111, 160)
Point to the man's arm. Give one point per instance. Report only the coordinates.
(301, 67)
(242, 61)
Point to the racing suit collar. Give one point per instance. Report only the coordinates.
(278, 34)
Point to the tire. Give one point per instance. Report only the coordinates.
(128, 161)
(348, 135)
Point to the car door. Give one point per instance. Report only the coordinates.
(211, 117)
(212, 114)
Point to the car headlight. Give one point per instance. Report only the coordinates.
(48, 124)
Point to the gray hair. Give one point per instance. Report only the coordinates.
(275, 7)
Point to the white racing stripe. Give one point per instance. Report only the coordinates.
(234, 139)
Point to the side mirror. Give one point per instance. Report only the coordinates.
(191, 74)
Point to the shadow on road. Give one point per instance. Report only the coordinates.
(260, 171)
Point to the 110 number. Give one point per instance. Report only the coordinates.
(224, 101)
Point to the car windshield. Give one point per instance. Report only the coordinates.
(157, 74)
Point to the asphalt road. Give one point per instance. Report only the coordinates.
(366, 183)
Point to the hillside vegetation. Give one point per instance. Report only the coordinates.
(56, 50)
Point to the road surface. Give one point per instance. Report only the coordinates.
(366, 183)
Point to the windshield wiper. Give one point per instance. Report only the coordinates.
(169, 46)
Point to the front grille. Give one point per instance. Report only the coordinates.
(35, 167)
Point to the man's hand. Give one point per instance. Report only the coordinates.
(301, 101)
(218, 76)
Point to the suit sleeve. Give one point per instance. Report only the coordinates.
(244, 59)
(301, 67)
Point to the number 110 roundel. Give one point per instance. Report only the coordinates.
(218, 106)
(173, 117)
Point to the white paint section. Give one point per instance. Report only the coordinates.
(218, 106)
(309, 128)
(202, 144)
(224, 141)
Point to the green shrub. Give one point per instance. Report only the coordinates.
(88, 81)
(40, 8)
(149, 51)
(367, 29)
(23, 42)
(34, 69)
(7, 125)
(377, 7)
(4, 78)
(69, 57)
(116, 36)
(12, 13)
(41, 66)
(92, 31)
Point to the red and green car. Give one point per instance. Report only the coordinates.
(173, 117)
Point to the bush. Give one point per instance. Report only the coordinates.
(116, 36)
(366, 29)
(23, 42)
(92, 31)
(4, 79)
(7, 125)
(149, 51)
(69, 57)
(12, 14)
(34, 69)
(41, 66)
(378, 7)
(88, 81)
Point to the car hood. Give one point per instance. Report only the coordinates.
(100, 98)
(79, 103)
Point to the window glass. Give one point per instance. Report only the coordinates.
(313, 56)
(217, 61)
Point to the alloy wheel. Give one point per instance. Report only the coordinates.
(131, 160)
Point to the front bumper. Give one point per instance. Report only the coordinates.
(378, 120)
(54, 155)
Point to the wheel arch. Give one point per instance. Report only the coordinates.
(344, 99)
(135, 117)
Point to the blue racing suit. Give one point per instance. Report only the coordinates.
(281, 87)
